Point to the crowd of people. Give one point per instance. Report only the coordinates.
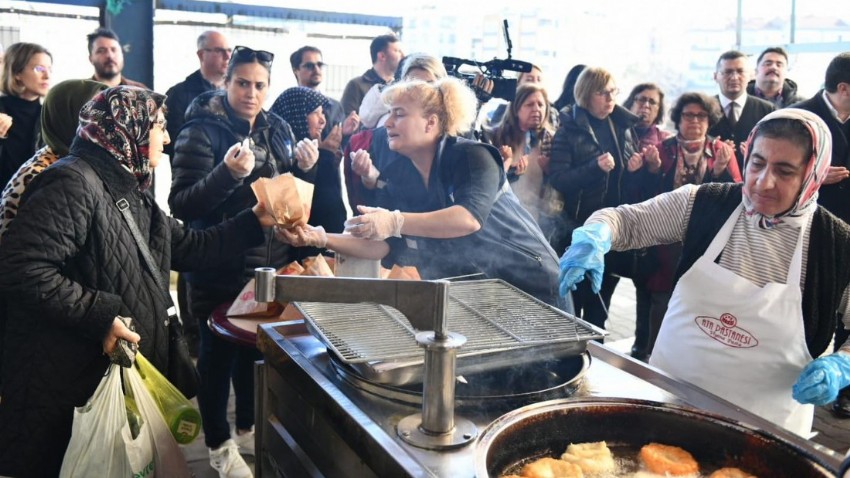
(734, 219)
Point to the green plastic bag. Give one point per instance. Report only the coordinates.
(182, 418)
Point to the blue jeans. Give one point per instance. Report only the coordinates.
(219, 362)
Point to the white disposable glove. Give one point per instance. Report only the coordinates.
(375, 223)
(239, 159)
(302, 236)
(307, 153)
(361, 164)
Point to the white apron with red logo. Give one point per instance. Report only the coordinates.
(736, 340)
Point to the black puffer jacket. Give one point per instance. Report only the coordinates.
(573, 169)
(789, 93)
(68, 266)
(204, 193)
(178, 98)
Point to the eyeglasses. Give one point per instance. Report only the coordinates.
(613, 92)
(643, 100)
(225, 52)
(313, 66)
(694, 116)
(41, 69)
(730, 72)
(160, 122)
(243, 54)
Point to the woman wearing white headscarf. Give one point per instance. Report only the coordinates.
(763, 272)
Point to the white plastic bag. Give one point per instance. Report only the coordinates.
(169, 460)
(101, 443)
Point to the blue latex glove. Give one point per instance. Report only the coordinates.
(822, 379)
(586, 255)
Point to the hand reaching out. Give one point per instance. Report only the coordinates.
(302, 236)
(265, 216)
(375, 223)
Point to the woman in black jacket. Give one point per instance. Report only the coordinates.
(592, 163)
(227, 142)
(27, 70)
(69, 266)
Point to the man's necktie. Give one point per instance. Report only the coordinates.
(732, 113)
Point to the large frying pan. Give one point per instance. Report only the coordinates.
(545, 429)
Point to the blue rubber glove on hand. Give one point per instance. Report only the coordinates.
(822, 379)
(586, 255)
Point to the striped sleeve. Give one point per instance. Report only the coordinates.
(660, 220)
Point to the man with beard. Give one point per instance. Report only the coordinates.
(770, 83)
(386, 55)
(107, 58)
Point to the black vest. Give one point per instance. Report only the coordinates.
(827, 270)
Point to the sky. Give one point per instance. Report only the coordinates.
(665, 9)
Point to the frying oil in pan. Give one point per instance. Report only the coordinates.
(627, 463)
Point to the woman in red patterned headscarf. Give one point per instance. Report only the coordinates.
(70, 266)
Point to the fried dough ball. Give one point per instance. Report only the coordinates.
(551, 468)
(662, 459)
(594, 457)
(731, 473)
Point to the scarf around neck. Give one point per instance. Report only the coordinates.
(816, 170)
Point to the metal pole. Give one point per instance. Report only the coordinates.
(793, 21)
(739, 25)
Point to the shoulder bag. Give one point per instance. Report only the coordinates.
(181, 372)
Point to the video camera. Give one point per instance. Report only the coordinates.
(504, 88)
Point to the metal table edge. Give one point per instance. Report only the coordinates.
(336, 398)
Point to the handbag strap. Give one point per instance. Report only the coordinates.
(124, 207)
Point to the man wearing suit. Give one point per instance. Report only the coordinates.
(832, 104)
(740, 111)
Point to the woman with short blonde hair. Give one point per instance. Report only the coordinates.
(441, 203)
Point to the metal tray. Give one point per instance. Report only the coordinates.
(503, 326)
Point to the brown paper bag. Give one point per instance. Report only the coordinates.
(317, 266)
(287, 197)
(246, 306)
(404, 273)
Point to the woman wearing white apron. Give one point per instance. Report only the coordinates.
(763, 272)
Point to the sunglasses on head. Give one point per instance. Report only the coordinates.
(243, 54)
